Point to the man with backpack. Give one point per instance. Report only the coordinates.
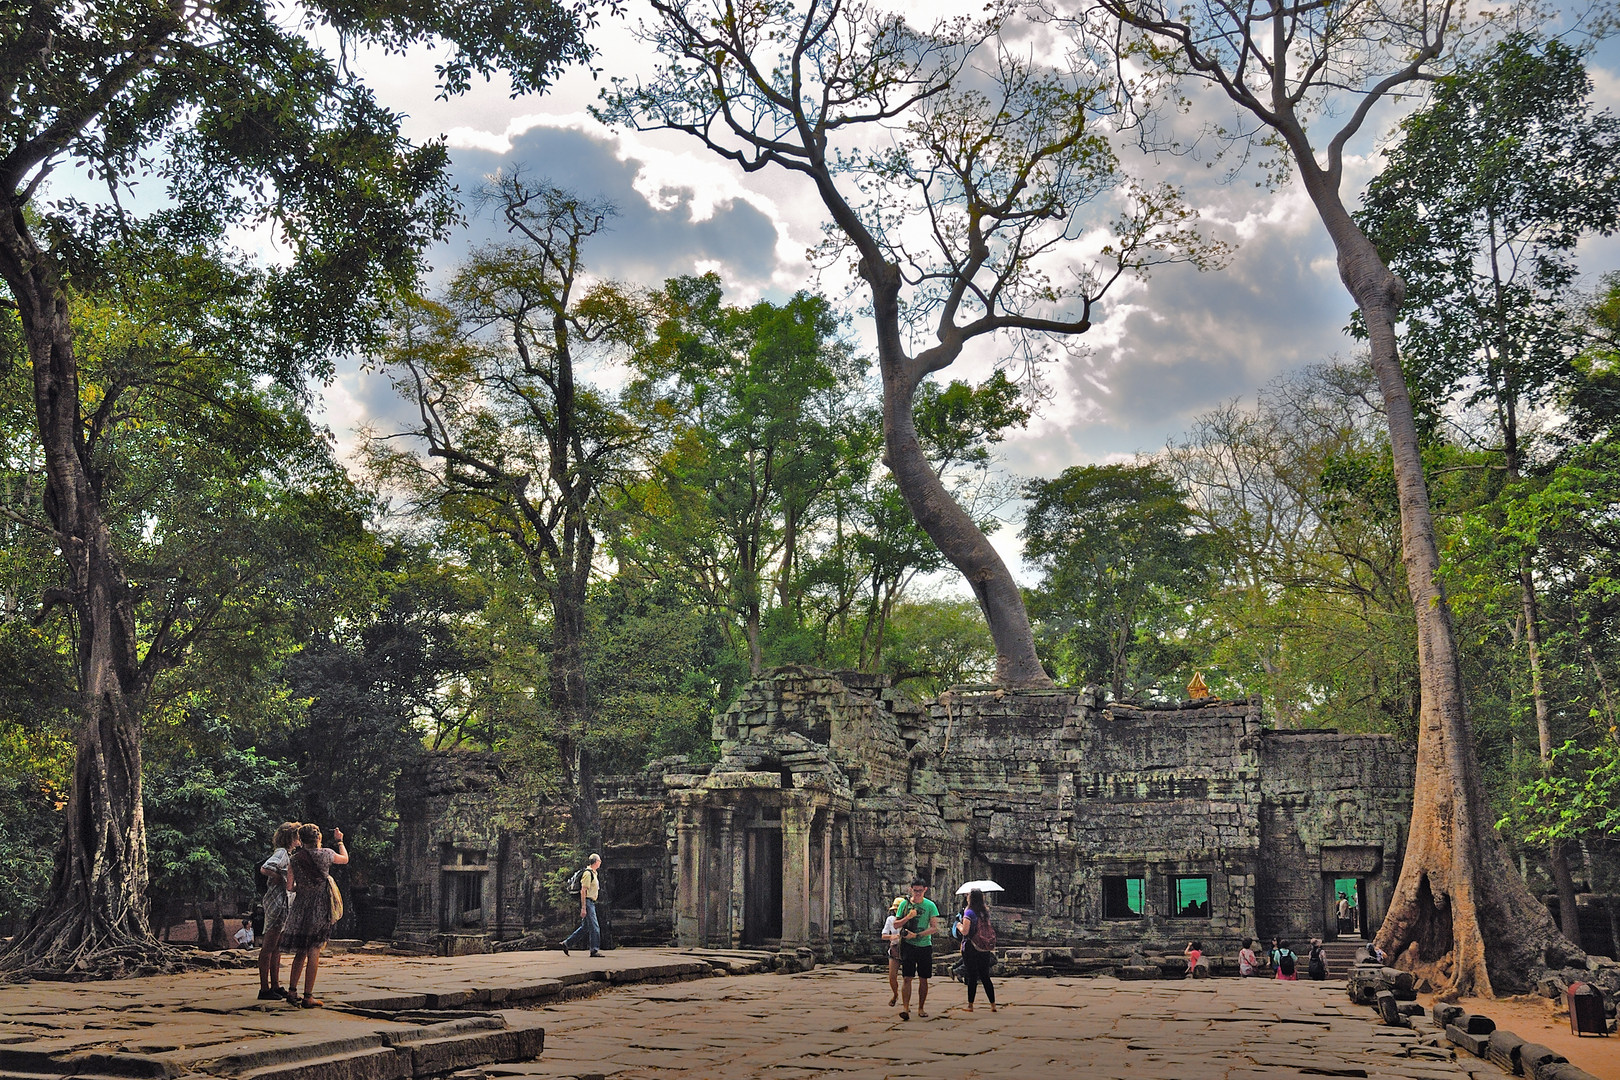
(589, 883)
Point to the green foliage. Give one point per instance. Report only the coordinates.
(211, 813)
(1120, 565)
(1479, 209)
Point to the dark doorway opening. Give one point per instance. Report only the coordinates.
(762, 887)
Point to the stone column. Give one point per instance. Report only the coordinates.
(796, 817)
(688, 881)
(719, 891)
(826, 880)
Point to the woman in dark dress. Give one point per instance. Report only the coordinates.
(309, 921)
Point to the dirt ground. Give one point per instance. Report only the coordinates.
(1541, 1020)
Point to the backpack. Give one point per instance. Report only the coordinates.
(1285, 963)
(956, 928)
(577, 882)
(983, 936)
(1318, 964)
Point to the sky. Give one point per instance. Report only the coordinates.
(1161, 352)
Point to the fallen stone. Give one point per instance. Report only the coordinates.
(1444, 1014)
(1562, 1070)
(1504, 1048)
(431, 1057)
(1533, 1056)
(1474, 1024)
(380, 1063)
(1474, 1044)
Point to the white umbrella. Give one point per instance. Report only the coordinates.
(983, 886)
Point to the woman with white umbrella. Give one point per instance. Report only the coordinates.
(978, 941)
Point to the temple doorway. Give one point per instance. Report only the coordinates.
(762, 887)
(1353, 890)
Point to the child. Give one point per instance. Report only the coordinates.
(1285, 961)
(1248, 963)
(891, 939)
(1193, 952)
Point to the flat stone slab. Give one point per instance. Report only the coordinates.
(383, 1020)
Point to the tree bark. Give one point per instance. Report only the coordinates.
(1459, 915)
(956, 535)
(96, 909)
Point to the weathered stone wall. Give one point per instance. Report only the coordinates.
(1331, 805)
(1075, 798)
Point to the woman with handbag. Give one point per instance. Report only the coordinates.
(978, 948)
(318, 906)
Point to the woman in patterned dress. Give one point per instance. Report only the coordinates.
(309, 920)
(276, 901)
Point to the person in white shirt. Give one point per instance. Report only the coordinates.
(278, 897)
(891, 941)
(244, 936)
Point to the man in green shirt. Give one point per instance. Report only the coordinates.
(916, 925)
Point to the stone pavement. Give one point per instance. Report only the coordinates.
(386, 1017)
(834, 1024)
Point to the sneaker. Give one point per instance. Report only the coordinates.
(596, 954)
(565, 949)
(270, 993)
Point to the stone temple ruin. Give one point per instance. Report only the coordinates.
(1115, 828)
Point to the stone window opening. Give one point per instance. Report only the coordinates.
(1017, 884)
(1189, 897)
(1122, 897)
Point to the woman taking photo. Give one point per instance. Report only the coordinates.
(309, 921)
(978, 948)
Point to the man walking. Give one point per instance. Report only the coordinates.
(590, 884)
(916, 924)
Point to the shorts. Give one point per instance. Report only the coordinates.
(894, 951)
(916, 960)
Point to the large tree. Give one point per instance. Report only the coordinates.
(1120, 565)
(1479, 208)
(239, 119)
(1310, 75)
(516, 445)
(952, 171)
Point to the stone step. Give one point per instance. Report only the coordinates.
(85, 1063)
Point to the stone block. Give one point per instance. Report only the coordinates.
(1473, 1023)
(380, 1063)
(543, 990)
(1389, 1010)
(1533, 1057)
(433, 1057)
(387, 1002)
(1444, 1014)
(1503, 1048)
(1474, 1044)
(1562, 1070)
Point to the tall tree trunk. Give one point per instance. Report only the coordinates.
(96, 910)
(570, 697)
(1459, 915)
(950, 527)
(1569, 920)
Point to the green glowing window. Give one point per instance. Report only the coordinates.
(1189, 897)
(1122, 897)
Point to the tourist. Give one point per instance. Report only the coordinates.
(1316, 962)
(1194, 952)
(309, 918)
(1355, 917)
(244, 937)
(1344, 914)
(1283, 961)
(891, 945)
(1248, 963)
(277, 898)
(590, 884)
(978, 949)
(916, 922)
